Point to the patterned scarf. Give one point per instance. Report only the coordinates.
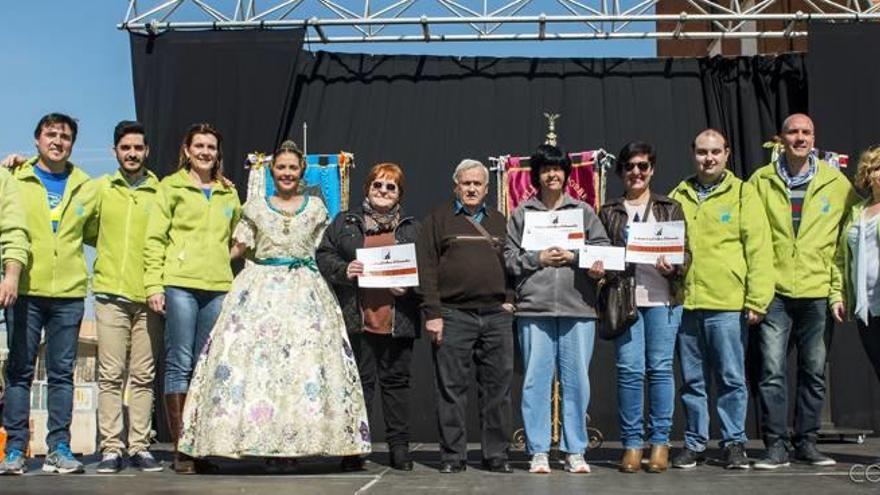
(377, 223)
(797, 180)
(704, 190)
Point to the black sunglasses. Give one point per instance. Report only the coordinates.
(643, 166)
(388, 186)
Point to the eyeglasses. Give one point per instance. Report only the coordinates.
(643, 166)
(388, 186)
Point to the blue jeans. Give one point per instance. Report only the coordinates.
(564, 346)
(647, 348)
(190, 315)
(806, 322)
(25, 321)
(711, 345)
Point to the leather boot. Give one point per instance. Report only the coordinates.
(632, 461)
(183, 464)
(400, 458)
(659, 460)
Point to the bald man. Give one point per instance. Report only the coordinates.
(805, 200)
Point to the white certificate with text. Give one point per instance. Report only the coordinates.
(612, 257)
(545, 229)
(648, 241)
(389, 266)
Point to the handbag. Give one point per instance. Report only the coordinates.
(617, 301)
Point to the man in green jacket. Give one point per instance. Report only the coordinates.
(128, 332)
(58, 200)
(728, 286)
(15, 244)
(806, 201)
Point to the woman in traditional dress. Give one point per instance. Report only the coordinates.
(278, 377)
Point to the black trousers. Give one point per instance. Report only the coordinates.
(870, 335)
(385, 360)
(486, 339)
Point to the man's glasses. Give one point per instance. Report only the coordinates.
(643, 166)
(388, 186)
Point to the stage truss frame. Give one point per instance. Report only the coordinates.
(394, 21)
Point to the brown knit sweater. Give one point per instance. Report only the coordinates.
(458, 267)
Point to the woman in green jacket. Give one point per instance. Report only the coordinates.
(858, 260)
(187, 261)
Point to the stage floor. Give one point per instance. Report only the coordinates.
(322, 477)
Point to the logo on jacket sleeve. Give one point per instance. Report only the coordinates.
(228, 211)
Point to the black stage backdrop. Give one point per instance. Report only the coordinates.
(428, 112)
(844, 102)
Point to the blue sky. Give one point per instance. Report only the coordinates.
(68, 56)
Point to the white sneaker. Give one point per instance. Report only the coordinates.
(540, 463)
(575, 463)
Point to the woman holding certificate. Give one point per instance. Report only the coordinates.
(645, 347)
(382, 322)
(555, 307)
(277, 378)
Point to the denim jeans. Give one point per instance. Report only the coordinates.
(190, 315)
(563, 346)
(805, 321)
(484, 338)
(647, 349)
(711, 347)
(25, 321)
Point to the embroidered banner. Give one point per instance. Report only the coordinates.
(321, 179)
(582, 183)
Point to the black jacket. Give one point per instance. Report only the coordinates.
(613, 216)
(337, 250)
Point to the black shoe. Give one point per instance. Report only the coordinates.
(450, 467)
(734, 456)
(111, 463)
(497, 466)
(352, 463)
(400, 458)
(145, 461)
(776, 457)
(688, 459)
(808, 453)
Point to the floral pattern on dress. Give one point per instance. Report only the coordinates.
(277, 377)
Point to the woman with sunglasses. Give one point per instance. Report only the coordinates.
(646, 347)
(382, 323)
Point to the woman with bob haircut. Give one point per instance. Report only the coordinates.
(382, 323)
(556, 316)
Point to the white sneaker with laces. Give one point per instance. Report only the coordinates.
(575, 463)
(540, 463)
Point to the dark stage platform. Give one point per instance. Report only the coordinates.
(321, 477)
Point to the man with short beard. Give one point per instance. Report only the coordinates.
(128, 332)
(58, 201)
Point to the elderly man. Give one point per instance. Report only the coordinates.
(467, 312)
(806, 200)
(729, 284)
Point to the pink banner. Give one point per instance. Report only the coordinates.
(581, 182)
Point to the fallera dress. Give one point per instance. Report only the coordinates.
(278, 377)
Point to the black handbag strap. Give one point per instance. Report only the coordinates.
(483, 232)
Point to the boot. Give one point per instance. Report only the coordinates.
(659, 460)
(183, 464)
(632, 461)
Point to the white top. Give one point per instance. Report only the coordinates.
(872, 262)
(652, 288)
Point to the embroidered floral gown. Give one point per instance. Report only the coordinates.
(278, 377)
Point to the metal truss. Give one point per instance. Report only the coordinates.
(360, 21)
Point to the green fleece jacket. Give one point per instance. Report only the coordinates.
(122, 214)
(804, 262)
(57, 267)
(728, 238)
(188, 236)
(15, 243)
